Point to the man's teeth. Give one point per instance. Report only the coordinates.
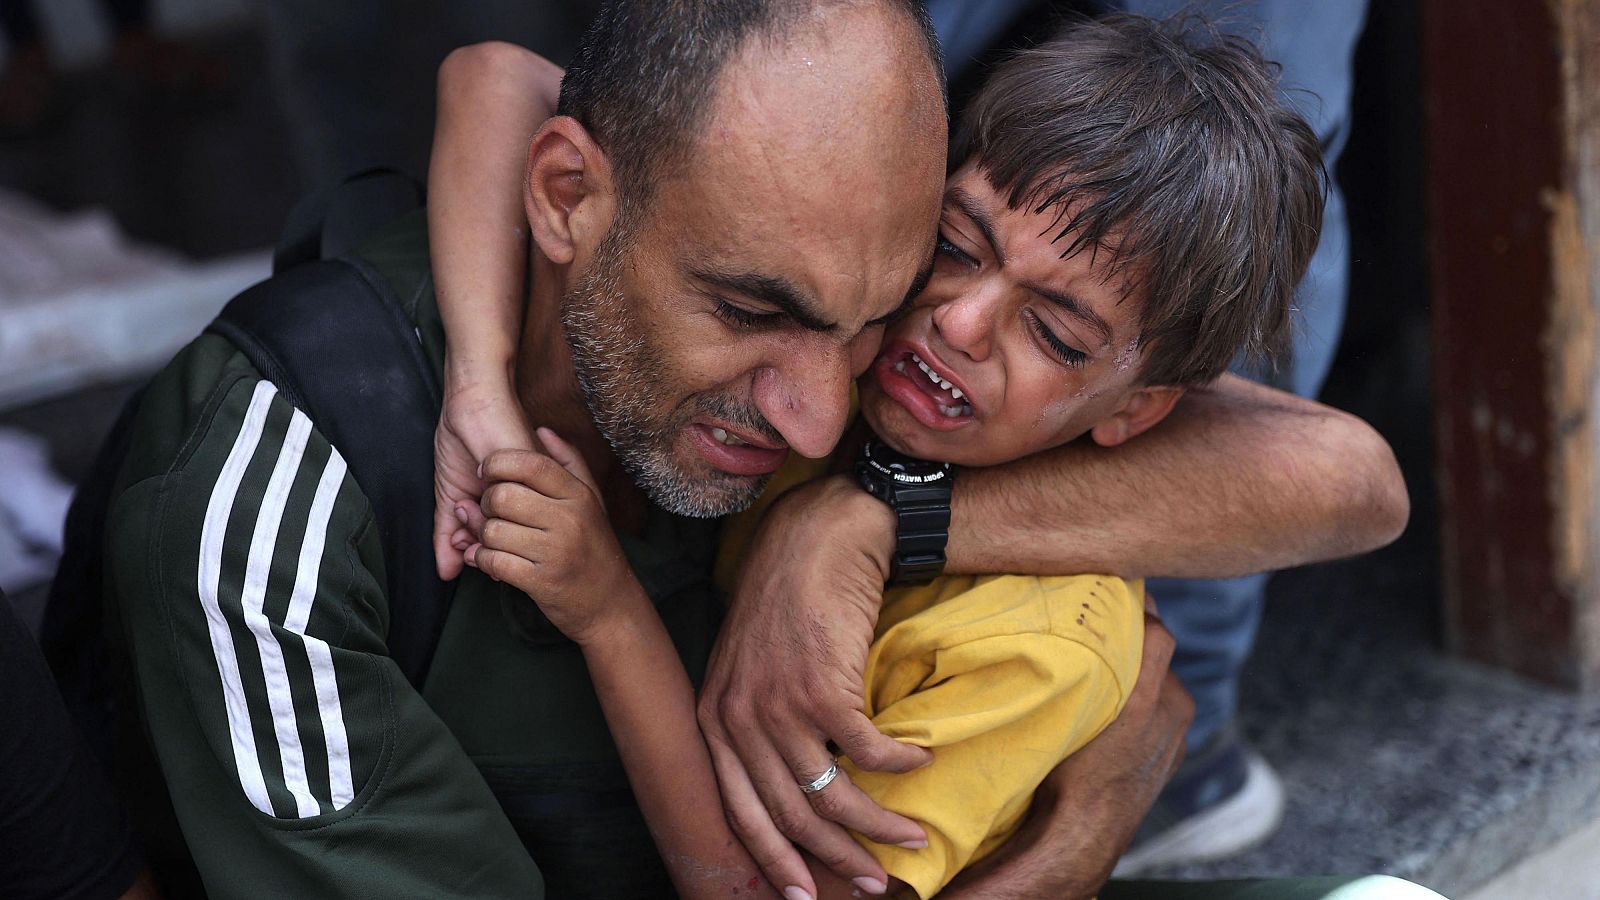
(943, 383)
(956, 411)
(732, 440)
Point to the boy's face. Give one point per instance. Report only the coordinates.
(1011, 349)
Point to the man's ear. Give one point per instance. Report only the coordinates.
(1139, 413)
(569, 196)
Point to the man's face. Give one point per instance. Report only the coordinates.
(1011, 349)
(727, 327)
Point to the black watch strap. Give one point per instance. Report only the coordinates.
(919, 493)
(922, 529)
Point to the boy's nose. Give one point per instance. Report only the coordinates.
(966, 324)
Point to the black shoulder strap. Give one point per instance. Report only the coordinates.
(332, 337)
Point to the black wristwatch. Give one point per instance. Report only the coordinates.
(919, 493)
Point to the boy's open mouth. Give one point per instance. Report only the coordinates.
(918, 385)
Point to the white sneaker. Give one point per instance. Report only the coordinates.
(1221, 802)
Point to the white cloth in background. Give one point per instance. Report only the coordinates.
(33, 506)
(80, 303)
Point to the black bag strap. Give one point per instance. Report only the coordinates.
(332, 337)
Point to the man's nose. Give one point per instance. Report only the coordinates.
(807, 399)
(966, 323)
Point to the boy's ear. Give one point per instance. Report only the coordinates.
(1139, 413)
(569, 194)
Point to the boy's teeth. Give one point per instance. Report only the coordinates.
(933, 375)
(956, 411)
(956, 393)
(722, 435)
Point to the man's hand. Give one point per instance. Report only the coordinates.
(1085, 814)
(480, 416)
(786, 678)
(546, 533)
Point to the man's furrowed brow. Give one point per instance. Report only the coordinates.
(1077, 309)
(773, 290)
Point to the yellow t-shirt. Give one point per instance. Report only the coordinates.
(1002, 676)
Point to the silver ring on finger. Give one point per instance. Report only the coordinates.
(821, 781)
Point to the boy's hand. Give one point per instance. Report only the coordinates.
(546, 533)
(479, 418)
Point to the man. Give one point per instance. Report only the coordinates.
(707, 277)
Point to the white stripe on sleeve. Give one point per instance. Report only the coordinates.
(340, 786)
(280, 699)
(212, 532)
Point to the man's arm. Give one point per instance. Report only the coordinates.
(248, 580)
(1239, 479)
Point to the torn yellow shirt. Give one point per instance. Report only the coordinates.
(1002, 676)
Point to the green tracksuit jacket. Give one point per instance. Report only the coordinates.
(246, 584)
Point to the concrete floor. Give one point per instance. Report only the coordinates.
(1570, 870)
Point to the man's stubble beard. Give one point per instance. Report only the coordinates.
(627, 386)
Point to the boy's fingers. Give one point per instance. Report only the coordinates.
(568, 456)
(446, 555)
(471, 516)
(534, 470)
(780, 862)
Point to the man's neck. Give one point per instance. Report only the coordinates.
(547, 388)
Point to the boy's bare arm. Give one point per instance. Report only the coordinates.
(492, 98)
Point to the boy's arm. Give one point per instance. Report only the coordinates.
(492, 98)
(649, 706)
(547, 534)
(1239, 478)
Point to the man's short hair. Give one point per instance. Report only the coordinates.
(643, 78)
(1165, 144)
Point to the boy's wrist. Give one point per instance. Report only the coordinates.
(625, 610)
(477, 370)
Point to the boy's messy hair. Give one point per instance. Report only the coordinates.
(1165, 144)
